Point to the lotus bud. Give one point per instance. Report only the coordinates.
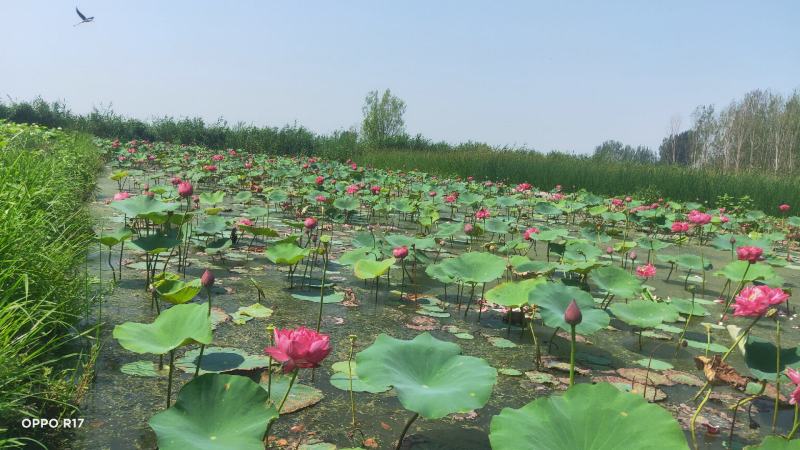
(207, 280)
(573, 314)
(400, 252)
(310, 223)
(632, 256)
(185, 189)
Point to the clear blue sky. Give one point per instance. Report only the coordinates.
(550, 75)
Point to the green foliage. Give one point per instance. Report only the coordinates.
(383, 118)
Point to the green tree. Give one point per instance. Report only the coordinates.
(383, 118)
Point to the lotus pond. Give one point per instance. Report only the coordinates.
(437, 312)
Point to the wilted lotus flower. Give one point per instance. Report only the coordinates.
(301, 348)
(175, 181)
(207, 279)
(400, 252)
(310, 223)
(573, 315)
(185, 189)
(750, 254)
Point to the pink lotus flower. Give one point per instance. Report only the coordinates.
(231, 152)
(121, 196)
(248, 165)
(794, 376)
(754, 301)
(468, 228)
(482, 213)
(432, 194)
(375, 189)
(750, 254)
(698, 218)
(680, 227)
(301, 348)
(352, 189)
(616, 202)
(609, 250)
(724, 218)
(784, 207)
(523, 187)
(557, 197)
(321, 198)
(207, 279)
(354, 166)
(121, 158)
(246, 222)
(573, 315)
(528, 235)
(217, 158)
(210, 168)
(470, 178)
(310, 223)
(450, 198)
(131, 150)
(175, 181)
(400, 252)
(185, 189)
(646, 271)
(115, 144)
(628, 199)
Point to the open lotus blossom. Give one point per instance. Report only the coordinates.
(482, 213)
(301, 348)
(400, 252)
(231, 152)
(724, 219)
(557, 197)
(680, 227)
(321, 198)
(468, 228)
(217, 158)
(352, 189)
(523, 187)
(784, 207)
(628, 199)
(750, 254)
(319, 180)
(246, 222)
(210, 168)
(185, 189)
(528, 235)
(794, 376)
(646, 271)
(616, 202)
(698, 218)
(375, 189)
(310, 223)
(354, 166)
(450, 199)
(754, 301)
(121, 158)
(121, 195)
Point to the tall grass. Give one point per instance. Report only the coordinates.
(608, 178)
(45, 176)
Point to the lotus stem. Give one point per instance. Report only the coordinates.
(736, 410)
(169, 376)
(777, 372)
(535, 340)
(322, 287)
(572, 355)
(796, 422)
(405, 430)
(694, 418)
(286, 395)
(350, 376)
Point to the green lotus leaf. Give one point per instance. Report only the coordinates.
(211, 225)
(587, 417)
(553, 299)
(652, 244)
(581, 251)
(616, 281)
(334, 297)
(115, 237)
(218, 246)
(760, 355)
(551, 234)
(654, 364)
(689, 308)
(215, 412)
(141, 205)
(243, 197)
(644, 313)
(208, 198)
(775, 443)
(301, 396)
(341, 380)
(475, 267)
(367, 269)
(737, 270)
(220, 359)
(256, 310)
(174, 327)
(547, 209)
(497, 225)
(156, 243)
(691, 262)
(256, 211)
(259, 231)
(351, 257)
(440, 273)
(513, 293)
(430, 376)
(346, 203)
(177, 291)
(449, 229)
(537, 267)
(286, 254)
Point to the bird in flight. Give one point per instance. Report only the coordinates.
(84, 19)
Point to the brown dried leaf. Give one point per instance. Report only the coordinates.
(718, 371)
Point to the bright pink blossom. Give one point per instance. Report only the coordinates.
(530, 232)
(352, 189)
(646, 271)
(185, 189)
(245, 222)
(754, 301)
(784, 207)
(121, 195)
(794, 376)
(301, 348)
(319, 180)
(698, 218)
(310, 223)
(375, 189)
(217, 158)
(680, 227)
(400, 252)
(482, 213)
(750, 254)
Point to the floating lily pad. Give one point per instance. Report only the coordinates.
(143, 369)
(341, 380)
(509, 372)
(301, 396)
(542, 377)
(714, 347)
(215, 412)
(500, 342)
(587, 417)
(476, 267)
(760, 355)
(334, 297)
(221, 359)
(240, 319)
(655, 364)
(644, 313)
(256, 310)
(616, 281)
(466, 336)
